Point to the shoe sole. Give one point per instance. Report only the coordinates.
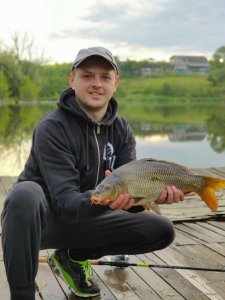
(56, 268)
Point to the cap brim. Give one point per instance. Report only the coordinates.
(75, 65)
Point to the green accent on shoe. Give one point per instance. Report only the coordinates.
(85, 266)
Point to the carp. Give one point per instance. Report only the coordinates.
(144, 180)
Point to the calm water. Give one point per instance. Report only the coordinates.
(191, 135)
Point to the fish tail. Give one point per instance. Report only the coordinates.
(208, 192)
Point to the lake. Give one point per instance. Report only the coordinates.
(190, 135)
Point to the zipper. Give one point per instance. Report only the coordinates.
(98, 128)
(98, 151)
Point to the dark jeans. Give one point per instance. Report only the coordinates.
(29, 224)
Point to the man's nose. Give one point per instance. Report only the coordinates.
(97, 82)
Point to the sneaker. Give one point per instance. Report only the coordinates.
(76, 274)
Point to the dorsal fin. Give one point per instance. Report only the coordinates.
(186, 169)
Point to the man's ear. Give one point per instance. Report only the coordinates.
(71, 80)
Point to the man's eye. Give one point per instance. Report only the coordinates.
(106, 78)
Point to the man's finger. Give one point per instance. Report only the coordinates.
(170, 195)
(107, 173)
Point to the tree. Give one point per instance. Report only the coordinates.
(11, 71)
(28, 90)
(217, 67)
(18, 61)
(4, 87)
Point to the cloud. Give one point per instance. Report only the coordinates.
(169, 25)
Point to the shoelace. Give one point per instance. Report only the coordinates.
(88, 271)
(86, 267)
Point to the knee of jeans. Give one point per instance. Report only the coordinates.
(163, 232)
(25, 197)
(167, 233)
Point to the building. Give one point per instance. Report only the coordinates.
(189, 64)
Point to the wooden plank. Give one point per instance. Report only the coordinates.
(7, 182)
(4, 287)
(123, 282)
(211, 228)
(209, 259)
(176, 280)
(2, 195)
(196, 278)
(196, 231)
(219, 248)
(161, 287)
(219, 171)
(182, 239)
(219, 224)
(213, 172)
(116, 281)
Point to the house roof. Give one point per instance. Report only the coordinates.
(190, 59)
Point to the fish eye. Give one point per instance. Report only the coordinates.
(106, 187)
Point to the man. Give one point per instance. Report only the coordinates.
(49, 207)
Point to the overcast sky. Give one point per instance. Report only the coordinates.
(134, 29)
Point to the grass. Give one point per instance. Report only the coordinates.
(173, 88)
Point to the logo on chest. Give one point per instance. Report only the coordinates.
(109, 157)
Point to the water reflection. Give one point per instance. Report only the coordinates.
(188, 132)
(191, 135)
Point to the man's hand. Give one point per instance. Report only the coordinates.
(170, 195)
(122, 202)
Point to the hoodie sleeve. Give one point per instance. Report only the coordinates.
(58, 168)
(126, 150)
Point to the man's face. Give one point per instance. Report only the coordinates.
(94, 83)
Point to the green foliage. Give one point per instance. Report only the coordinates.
(12, 72)
(217, 67)
(163, 88)
(4, 87)
(216, 125)
(17, 65)
(18, 121)
(28, 89)
(54, 79)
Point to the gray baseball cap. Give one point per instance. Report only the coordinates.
(99, 51)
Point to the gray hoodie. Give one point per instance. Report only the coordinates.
(70, 153)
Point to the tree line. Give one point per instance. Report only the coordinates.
(27, 75)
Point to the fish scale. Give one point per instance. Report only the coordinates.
(158, 176)
(144, 180)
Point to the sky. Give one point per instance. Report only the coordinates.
(134, 29)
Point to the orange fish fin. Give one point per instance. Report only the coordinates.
(208, 192)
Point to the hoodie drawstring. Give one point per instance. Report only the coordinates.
(87, 148)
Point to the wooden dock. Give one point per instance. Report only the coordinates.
(200, 242)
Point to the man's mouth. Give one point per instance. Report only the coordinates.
(95, 94)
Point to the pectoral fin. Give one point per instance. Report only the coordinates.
(152, 206)
(155, 208)
(138, 200)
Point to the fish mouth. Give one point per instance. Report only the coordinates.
(96, 199)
